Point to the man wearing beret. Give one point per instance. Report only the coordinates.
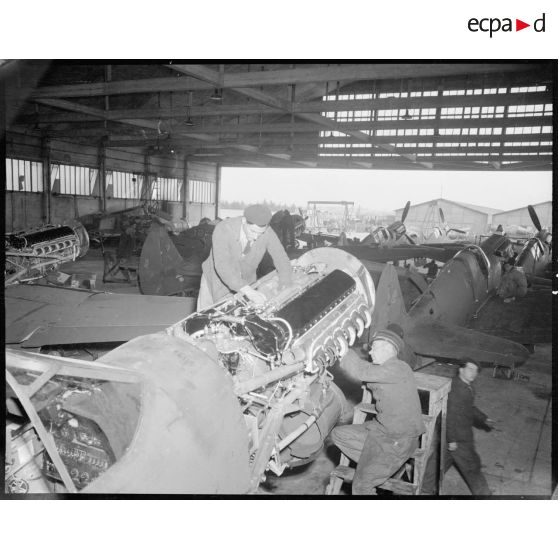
(382, 445)
(239, 244)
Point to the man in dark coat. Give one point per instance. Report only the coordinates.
(283, 224)
(382, 445)
(513, 283)
(462, 415)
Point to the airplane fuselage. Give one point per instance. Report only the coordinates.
(535, 258)
(462, 286)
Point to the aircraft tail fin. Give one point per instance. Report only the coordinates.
(390, 307)
(162, 270)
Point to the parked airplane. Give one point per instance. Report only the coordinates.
(438, 231)
(536, 256)
(393, 234)
(438, 322)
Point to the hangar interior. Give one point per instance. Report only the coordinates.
(87, 142)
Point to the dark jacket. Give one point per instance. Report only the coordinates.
(462, 414)
(395, 393)
(514, 283)
(227, 269)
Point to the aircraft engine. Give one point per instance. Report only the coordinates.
(30, 254)
(211, 404)
(278, 355)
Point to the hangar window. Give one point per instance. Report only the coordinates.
(529, 89)
(489, 131)
(124, 185)
(393, 94)
(26, 176)
(452, 112)
(73, 180)
(203, 191)
(351, 115)
(427, 113)
(471, 112)
(424, 93)
(328, 133)
(530, 110)
(523, 130)
(390, 114)
(167, 189)
(427, 132)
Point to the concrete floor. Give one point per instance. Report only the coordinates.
(516, 456)
(92, 262)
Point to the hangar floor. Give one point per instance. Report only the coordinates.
(516, 456)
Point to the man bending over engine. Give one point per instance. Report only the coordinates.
(382, 445)
(239, 244)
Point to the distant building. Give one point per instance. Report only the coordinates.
(228, 213)
(520, 217)
(475, 219)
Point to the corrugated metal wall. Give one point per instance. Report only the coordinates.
(427, 214)
(27, 209)
(521, 216)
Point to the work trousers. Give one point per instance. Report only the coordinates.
(378, 455)
(467, 462)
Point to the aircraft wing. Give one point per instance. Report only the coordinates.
(40, 315)
(435, 339)
(526, 320)
(449, 248)
(399, 252)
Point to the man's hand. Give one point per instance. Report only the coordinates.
(253, 296)
(452, 446)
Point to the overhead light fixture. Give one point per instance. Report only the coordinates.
(407, 115)
(189, 122)
(217, 94)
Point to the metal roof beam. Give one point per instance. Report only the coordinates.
(348, 72)
(319, 123)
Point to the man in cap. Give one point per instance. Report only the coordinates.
(462, 416)
(238, 246)
(382, 445)
(513, 283)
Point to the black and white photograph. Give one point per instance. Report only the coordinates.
(278, 279)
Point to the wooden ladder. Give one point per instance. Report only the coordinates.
(413, 469)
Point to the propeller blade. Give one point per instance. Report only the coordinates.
(459, 231)
(406, 211)
(534, 217)
(442, 218)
